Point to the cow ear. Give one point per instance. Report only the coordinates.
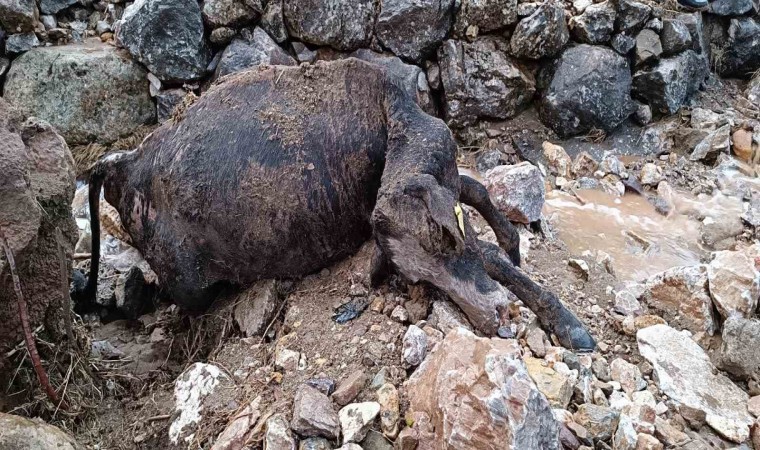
(443, 210)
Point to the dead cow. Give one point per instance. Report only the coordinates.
(279, 172)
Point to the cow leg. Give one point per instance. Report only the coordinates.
(473, 193)
(552, 314)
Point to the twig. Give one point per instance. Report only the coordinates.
(82, 256)
(157, 418)
(24, 317)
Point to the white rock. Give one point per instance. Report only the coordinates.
(627, 374)
(195, 384)
(414, 346)
(286, 359)
(651, 174)
(517, 190)
(682, 295)
(734, 282)
(356, 418)
(685, 374)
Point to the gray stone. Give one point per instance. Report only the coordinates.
(648, 47)
(447, 317)
(20, 43)
(303, 53)
(166, 103)
(542, 34)
(643, 114)
(414, 347)
(484, 16)
(595, 25)
(376, 441)
(739, 353)
(315, 443)
(480, 81)
(18, 16)
(740, 52)
(599, 421)
(222, 35)
(667, 86)
(229, 13)
(350, 388)
(341, 24)
(102, 27)
(622, 43)
(517, 190)
(730, 7)
(715, 143)
(55, 6)
(252, 48)
(166, 36)
(104, 99)
(49, 21)
(413, 29)
(695, 25)
(273, 22)
(278, 435)
(675, 37)
(255, 308)
(684, 373)
(586, 88)
(313, 414)
(631, 14)
(20, 433)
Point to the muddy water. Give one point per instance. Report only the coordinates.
(640, 241)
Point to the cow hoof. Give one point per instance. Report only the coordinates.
(572, 334)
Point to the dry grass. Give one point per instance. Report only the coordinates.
(594, 136)
(86, 155)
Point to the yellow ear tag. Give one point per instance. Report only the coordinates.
(460, 216)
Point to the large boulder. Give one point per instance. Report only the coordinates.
(668, 85)
(682, 296)
(341, 24)
(20, 433)
(231, 13)
(90, 92)
(413, 29)
(631, 14)
(739, 353)
(596, 24)
(480, 81)
(250, 49)
(478, 394)
(739, 51)
(685, 374)
(167, 36)
(731, 7)
(18, 16)
(587, 87)
(675, 37)
(484, 16)
(36, 191)
(542, 34)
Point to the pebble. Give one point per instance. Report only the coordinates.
(356, 418)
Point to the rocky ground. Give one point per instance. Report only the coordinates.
(622, 137)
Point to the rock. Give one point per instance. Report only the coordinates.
(376, 441)
(739, 48)
(753, 406)
(580, 267)
(648, 442)
(643, 114)
(286, 359)
(535, 340)
(408, 77)
(400, 314)
(133, 293)
(414, 346)
(55, 6)
(587, 87)
(517, 190)
(303, 53)
(36, 193)
(668, 85)
(314, 443)
(255, 307)
(18, 16)
(20, 43)
(277, 435)
(387, 397)
(651, 174)
(584, 166)
(313, 414)
(273, 22)
(458, 386)
(684, 373)
(738, 353)
(669, 434)
(252, 48)
(595, 25)
(322, 384)
(413, 29)
(167, 102)
(631, 14)
(350, 446)
(350, 388)
(557, 160)
(682, 293)
(717, 142)
(340, 24)
(542, 34)
(648, 47)
(627, 374)
(447, 317)
(599, 421)
(730, 7)
(675, 37)
(484, 16)
(20, 433)
(742, 145)
(229, 13)
(480, 81)
(167, 37)
(356, 418)
(193, 390)
(557, 388)
(694, 23)
(622, 43)
(240, 429)
(753, 91)
(627, 304)
(734, 282)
